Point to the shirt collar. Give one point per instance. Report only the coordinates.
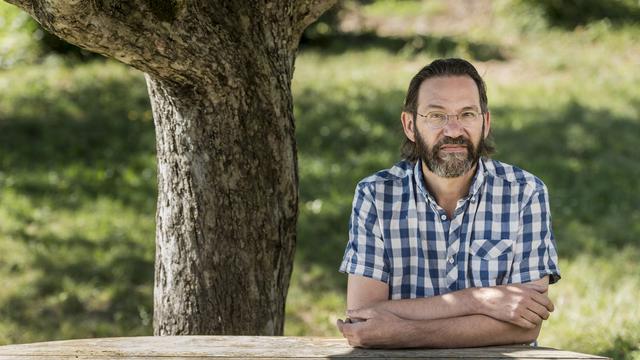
(419, 179)
(476, 183)
(478, 178)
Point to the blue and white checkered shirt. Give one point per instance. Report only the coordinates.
(500, 232)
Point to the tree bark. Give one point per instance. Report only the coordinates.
(219, 78)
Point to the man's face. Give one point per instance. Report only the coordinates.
(453, 150)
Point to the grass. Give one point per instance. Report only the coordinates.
(403, 8)
(77, 195)
(596, 306)
(77, 175)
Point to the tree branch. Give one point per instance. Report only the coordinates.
(308, 11)
(138, 33)
(180, 40)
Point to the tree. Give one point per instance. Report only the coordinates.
(219, 78)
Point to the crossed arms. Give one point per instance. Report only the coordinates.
(499, 315)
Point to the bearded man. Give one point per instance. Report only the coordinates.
(448, 248)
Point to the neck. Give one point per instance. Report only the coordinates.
(447, 191)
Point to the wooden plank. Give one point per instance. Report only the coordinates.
(256, 347)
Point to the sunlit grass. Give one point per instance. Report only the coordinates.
(597, 305)
(77, 178)
(404, 8)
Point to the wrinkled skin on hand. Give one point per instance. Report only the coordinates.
(374, 328)
(524, 305)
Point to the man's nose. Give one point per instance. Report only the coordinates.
(453, 128)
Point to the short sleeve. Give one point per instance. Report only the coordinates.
(365, 254)
(535, 249)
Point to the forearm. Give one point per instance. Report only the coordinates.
(465, 331)
(521, 304)
(454, 304)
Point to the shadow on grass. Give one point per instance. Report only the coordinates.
(82, 288)
(439, 46)
(96, 140)
(570, 14)
(623, 348)
(64, 148)
(339, 144)
(587, 158)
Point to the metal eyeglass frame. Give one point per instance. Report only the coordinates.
(448, 117)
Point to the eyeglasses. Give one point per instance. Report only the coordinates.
(439, 119)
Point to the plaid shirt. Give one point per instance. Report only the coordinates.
(500, 232)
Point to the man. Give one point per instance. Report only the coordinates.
(448, 248)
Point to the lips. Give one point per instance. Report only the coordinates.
(453, 148)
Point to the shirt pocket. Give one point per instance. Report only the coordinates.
(490, 262)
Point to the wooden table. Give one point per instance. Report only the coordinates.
(254, 347)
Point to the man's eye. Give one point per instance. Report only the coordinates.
(437, 116)
(469, 115)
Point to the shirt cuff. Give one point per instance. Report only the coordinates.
(353, 268)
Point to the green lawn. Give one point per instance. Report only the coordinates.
(77, 174)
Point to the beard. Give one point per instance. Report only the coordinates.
(449, 164)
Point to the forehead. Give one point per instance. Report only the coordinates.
(449, 91)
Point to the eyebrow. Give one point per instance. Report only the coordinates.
(471, 107)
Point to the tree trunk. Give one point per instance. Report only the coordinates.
(227, 206)
(219, 77)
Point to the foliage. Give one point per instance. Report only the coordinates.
(24, 41)
(78, 188)
(16, 37)
(572, 13)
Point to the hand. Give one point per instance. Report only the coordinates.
(373, 328)
(524, 305)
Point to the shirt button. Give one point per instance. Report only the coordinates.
(451, 260)
(443, 217)
(473, 199)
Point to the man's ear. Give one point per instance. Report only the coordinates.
(408, 125)
(487, 124)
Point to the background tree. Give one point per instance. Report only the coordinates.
(219, 78)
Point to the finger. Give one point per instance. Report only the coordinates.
(532, 317)
(340, 325)
(346, 328)
(540, 310)
(543, 300)
(524, 323)
(537, 287)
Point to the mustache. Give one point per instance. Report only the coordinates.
(447, 140)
